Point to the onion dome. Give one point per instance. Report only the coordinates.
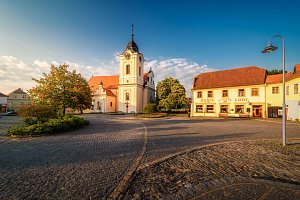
(132, 46)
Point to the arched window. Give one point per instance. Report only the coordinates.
(127, 96)
(127, 69)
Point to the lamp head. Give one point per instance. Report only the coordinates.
(270, 48)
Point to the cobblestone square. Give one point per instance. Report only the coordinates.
(171, 158)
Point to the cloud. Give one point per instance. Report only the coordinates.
(15, 73)
(179, 68)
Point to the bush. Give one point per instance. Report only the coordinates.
(52, 126)
(150, 108)
(35, 113)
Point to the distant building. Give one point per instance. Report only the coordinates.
(128, 92)
(16, 99)
(245, 92)
(3, 102)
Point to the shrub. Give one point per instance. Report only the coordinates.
(52, 126)
(35, 113)
(150, 108)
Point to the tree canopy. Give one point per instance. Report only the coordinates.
(170, 94)
(62, 89)
(275, 71)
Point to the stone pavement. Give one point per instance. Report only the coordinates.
(86, 163)
(231, 170)
(124, 157)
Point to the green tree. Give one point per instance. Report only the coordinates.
(275, 71)
(170, 94)
(62, 89)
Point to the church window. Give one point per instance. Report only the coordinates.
(140, 71)
(127, 69)
(127, 96)
(110, 104)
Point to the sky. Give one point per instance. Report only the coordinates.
(178, 38)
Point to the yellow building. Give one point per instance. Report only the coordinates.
(16, 99)
(128, 92)
(274, 94)
(236, 92)
(245, 92)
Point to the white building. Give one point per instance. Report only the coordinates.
(128, 92)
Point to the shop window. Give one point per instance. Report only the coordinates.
(287, 90)
(296, 88)
(225, 93)
(239, 108)
(254, 92)
(209, 94)
(241, 93)
(224, 109)
(127, 69)
(275, 90)
(199, 94)
(210, 108)
(199, 108)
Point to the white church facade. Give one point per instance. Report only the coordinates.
(128, 92)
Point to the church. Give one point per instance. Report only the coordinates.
(128, 92)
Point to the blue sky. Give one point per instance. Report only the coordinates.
(178, 38)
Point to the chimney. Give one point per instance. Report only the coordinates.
(297, 69)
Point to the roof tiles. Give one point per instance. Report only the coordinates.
(109, 82)
(229, 78)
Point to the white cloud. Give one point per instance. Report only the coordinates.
(15, 73)
(179, 68)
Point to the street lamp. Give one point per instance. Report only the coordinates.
(270, 48)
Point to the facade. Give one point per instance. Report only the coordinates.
(236, 92)
(16, 99)
(3, 102)
(245, 92)
(274, 94)
(128, 92)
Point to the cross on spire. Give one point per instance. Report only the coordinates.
(132, 32)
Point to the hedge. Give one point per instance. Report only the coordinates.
(52, 126)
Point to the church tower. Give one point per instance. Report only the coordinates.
(131, 79)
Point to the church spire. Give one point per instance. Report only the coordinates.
(132, 32)
(132, 46)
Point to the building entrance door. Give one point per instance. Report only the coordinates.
(257, 111)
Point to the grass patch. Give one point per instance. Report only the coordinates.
(152, 115)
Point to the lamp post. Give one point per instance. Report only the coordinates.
(270, 48)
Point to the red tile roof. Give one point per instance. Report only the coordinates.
(109, 93)
(109, 82)
(277, 78)
(229, 78)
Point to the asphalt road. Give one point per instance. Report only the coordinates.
(98, 160)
